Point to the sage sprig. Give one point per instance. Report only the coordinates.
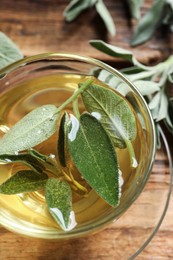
(76, 7)
(88, 141)
(152, 81)
(160, 13)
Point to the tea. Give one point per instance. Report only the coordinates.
(55, 89)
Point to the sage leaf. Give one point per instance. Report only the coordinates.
(62, 140)
(131, 70)
(93, 154)
(113, 112)
(39, 156)
(26, 159)
(135, 6)
(170, 74)
(9, 52)
(111, 50)
(24, 181)
(155, 101)
(59, 200)
(106, 17)
(76, 7)
(147, 87)
(148, 23)
(163, 108)
(34, 128)
(118, 52)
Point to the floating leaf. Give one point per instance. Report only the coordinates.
(9, 52)
(113, 111)
(31, 130)
(24, 181)
(106, 17)
(62, 140)
(26, 159)
(59, 200)
(93, 154)
(38, 156)
(148, 23)
(135, 6)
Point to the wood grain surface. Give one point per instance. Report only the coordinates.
(38, 26)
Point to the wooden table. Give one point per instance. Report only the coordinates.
(38, 26)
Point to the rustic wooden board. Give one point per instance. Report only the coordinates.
(38, 26)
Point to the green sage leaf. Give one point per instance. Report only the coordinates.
(93, 154)
(59, 200)
(34, 128)
(76, 7)
(24, 181)
(163, 108)
(135, 6)
(147, 87)
(118, 52)
(62, 140)
(9, 52)
(26, 159)
(106, 17)
(39, 156)
(111, 50)
(155, 101)
(113, 112)
(148, 23)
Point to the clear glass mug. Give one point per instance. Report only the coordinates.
(52, 78)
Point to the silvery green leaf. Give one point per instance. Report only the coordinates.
(76, 7)
(170, 3)
(155, 101)
(148, 23)
(113, 112)
(118, 52)
(146, 87)
(59, 201)
(170, 74)
(163, 109)
(135, 6)
(26, 159)
(9, 52)
(34, 128)
(106, 16)
(24, 181)
(111, 50)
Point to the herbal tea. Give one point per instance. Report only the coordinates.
(69, 151)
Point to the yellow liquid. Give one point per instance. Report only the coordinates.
(55, 89)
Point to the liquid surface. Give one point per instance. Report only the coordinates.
(55, 89)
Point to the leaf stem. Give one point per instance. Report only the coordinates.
(133, 161)
(76, 108)
(75, 95)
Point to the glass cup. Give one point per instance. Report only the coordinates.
(52, 78)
